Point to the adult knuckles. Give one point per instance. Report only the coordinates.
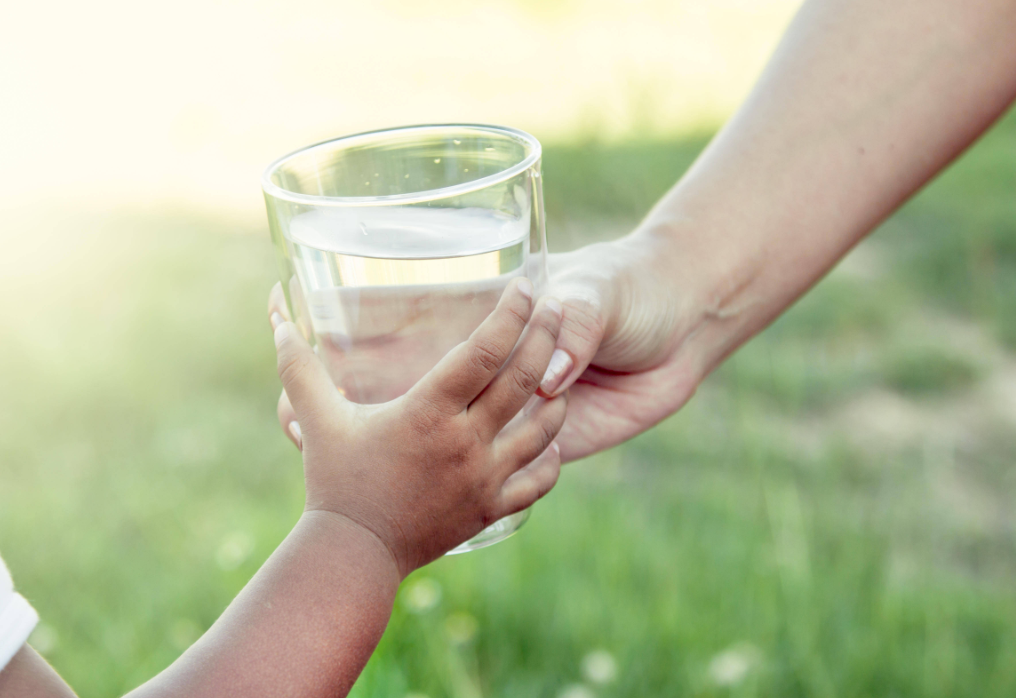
(584, 321)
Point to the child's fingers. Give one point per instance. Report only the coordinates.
(521, 376)
(529, 435)
(526, 486)
(278, 311)
(304, 378)
(469, 367)
(287, 420)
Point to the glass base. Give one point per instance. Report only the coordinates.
(495, 533)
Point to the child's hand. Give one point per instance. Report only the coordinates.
(431, 469)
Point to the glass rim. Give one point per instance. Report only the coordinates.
(272, 189)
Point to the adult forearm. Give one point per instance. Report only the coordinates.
(863, 102)
(304, 626)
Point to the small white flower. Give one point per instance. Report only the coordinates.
(732, 665)
(422, 595)
(234, 550)
(599, 667)
(576, 690)
(461, 628)
(44, 638)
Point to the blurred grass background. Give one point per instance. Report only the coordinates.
(832, 514)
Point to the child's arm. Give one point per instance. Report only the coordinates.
(389, 488)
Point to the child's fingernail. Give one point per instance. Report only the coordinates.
(560, 365)
(294, 429)
(281, 333)
(554, 306)
(526, 288)
(277, 320)
(557, 449)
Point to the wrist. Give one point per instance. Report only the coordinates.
(709, 276)
(348, 538)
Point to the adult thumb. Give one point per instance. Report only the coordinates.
(304, 378)
(582, 328)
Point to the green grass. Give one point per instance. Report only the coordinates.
(925, 370)
(834, 510)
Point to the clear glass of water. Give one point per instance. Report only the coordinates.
(394, 245)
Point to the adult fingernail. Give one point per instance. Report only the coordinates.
(554, 306)
(526, 288)
(294, 429)
(560, 365)
(281, 334)
(557, 449)
(277, 320)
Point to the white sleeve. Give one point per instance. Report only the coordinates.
(17, 618)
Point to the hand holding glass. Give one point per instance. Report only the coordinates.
(394, 245)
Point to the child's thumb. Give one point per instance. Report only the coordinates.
(304, 378)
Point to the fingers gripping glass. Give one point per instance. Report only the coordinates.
(394, 245)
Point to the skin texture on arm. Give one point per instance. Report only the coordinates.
(863, 102)
(390, 488)
(304, 626)
(28, 675)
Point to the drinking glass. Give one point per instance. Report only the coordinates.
(394, 245)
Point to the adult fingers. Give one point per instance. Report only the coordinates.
(304, 379)
(580, 337)
(581, 291)
(530, 434)
(526, 486)
(521, 376)
(468, 368)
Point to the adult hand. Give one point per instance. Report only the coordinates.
(618, 353)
